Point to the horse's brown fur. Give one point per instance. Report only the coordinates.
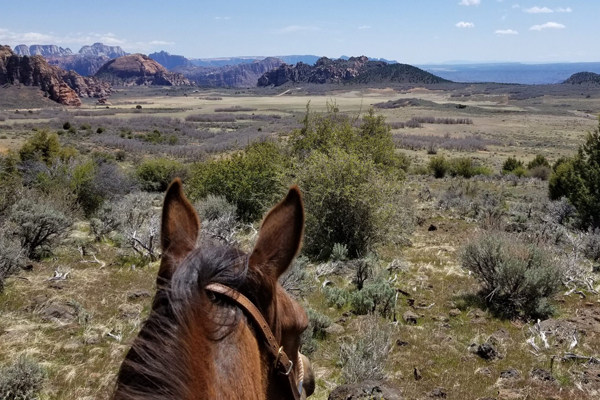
(195, 345)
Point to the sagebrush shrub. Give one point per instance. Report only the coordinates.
(339, 252)
(541, 172)
(344, 207)
(297, 280)
(38, 224)
(365, 355)
(251, 180)
(21, 380)
(518, 279)
(317, 323)
(377, 296)
(591, 245)
(336, 296)
(11, 256)
(214, 207)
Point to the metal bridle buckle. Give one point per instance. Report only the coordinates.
(289, 370)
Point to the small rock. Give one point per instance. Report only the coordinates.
(367, 390)
(401, 343)
(438, 393)
(432, 228)
(510, 374)
(441, 318)
(487, 351)
(347, 314)
(335, 329)
(94, 339)
(417, 374)
(500, 336)
(455, 312)
(138, 294)
(58, 311)
(410, 317)
(483, 371)
(542, 374)
(130, 311)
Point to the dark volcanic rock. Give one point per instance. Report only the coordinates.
(139, 69)
(241, 75)
(510, 374)
(542, 374)
(353, 70)
(170, 61)
(368, 390)
(487, 351)
(35, 71)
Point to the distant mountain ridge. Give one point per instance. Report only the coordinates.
(354, 70)
(170, 61)
(584, 78)
(240, 75)
(41, 50)
(99, 49)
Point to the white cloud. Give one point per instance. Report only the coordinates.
(564, 10)
(538, 10)
(462, 24)
(224, 18)
(470, 2)
(297, 28)
(364, 27)
(547, 25)
(160, 43)
(516, 6)
(506, 32)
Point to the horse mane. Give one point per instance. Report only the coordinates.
(157, 365)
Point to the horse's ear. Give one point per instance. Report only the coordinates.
(179, 229)
(280, 235)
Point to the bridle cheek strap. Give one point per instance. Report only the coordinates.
(282, 363)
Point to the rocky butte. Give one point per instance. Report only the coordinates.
(241, 75)
(139, 69)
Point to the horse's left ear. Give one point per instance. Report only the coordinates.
(280, 235)
(179, 229)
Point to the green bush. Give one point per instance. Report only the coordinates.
(518, 279)
(519, 172)
(438, 166)
(511, 164)
(43, 146)
(339, 252)
(343, 207)
(85, 127)
(578, 179)
(538, 161)
(11, 257)
(22, 380)
(372, 139)
(67, 125)
(251, 180)
(541, 172)
(156, 174)
(83, 186)
(317, 323)
(464, 167)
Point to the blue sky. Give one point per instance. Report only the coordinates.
(411, 31)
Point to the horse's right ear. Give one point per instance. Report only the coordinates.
(179, 229)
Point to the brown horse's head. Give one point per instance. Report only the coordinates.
(197, 344)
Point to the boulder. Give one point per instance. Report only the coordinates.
(368, 390)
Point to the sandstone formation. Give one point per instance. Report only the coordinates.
(139, 69)
(353, 70)
(241, 75)
(35, 71)
(86, 86)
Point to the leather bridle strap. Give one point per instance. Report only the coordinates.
(283, 364)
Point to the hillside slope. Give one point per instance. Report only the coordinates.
(584, 78)
(353, 70)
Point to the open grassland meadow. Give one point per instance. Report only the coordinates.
(451, 249)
